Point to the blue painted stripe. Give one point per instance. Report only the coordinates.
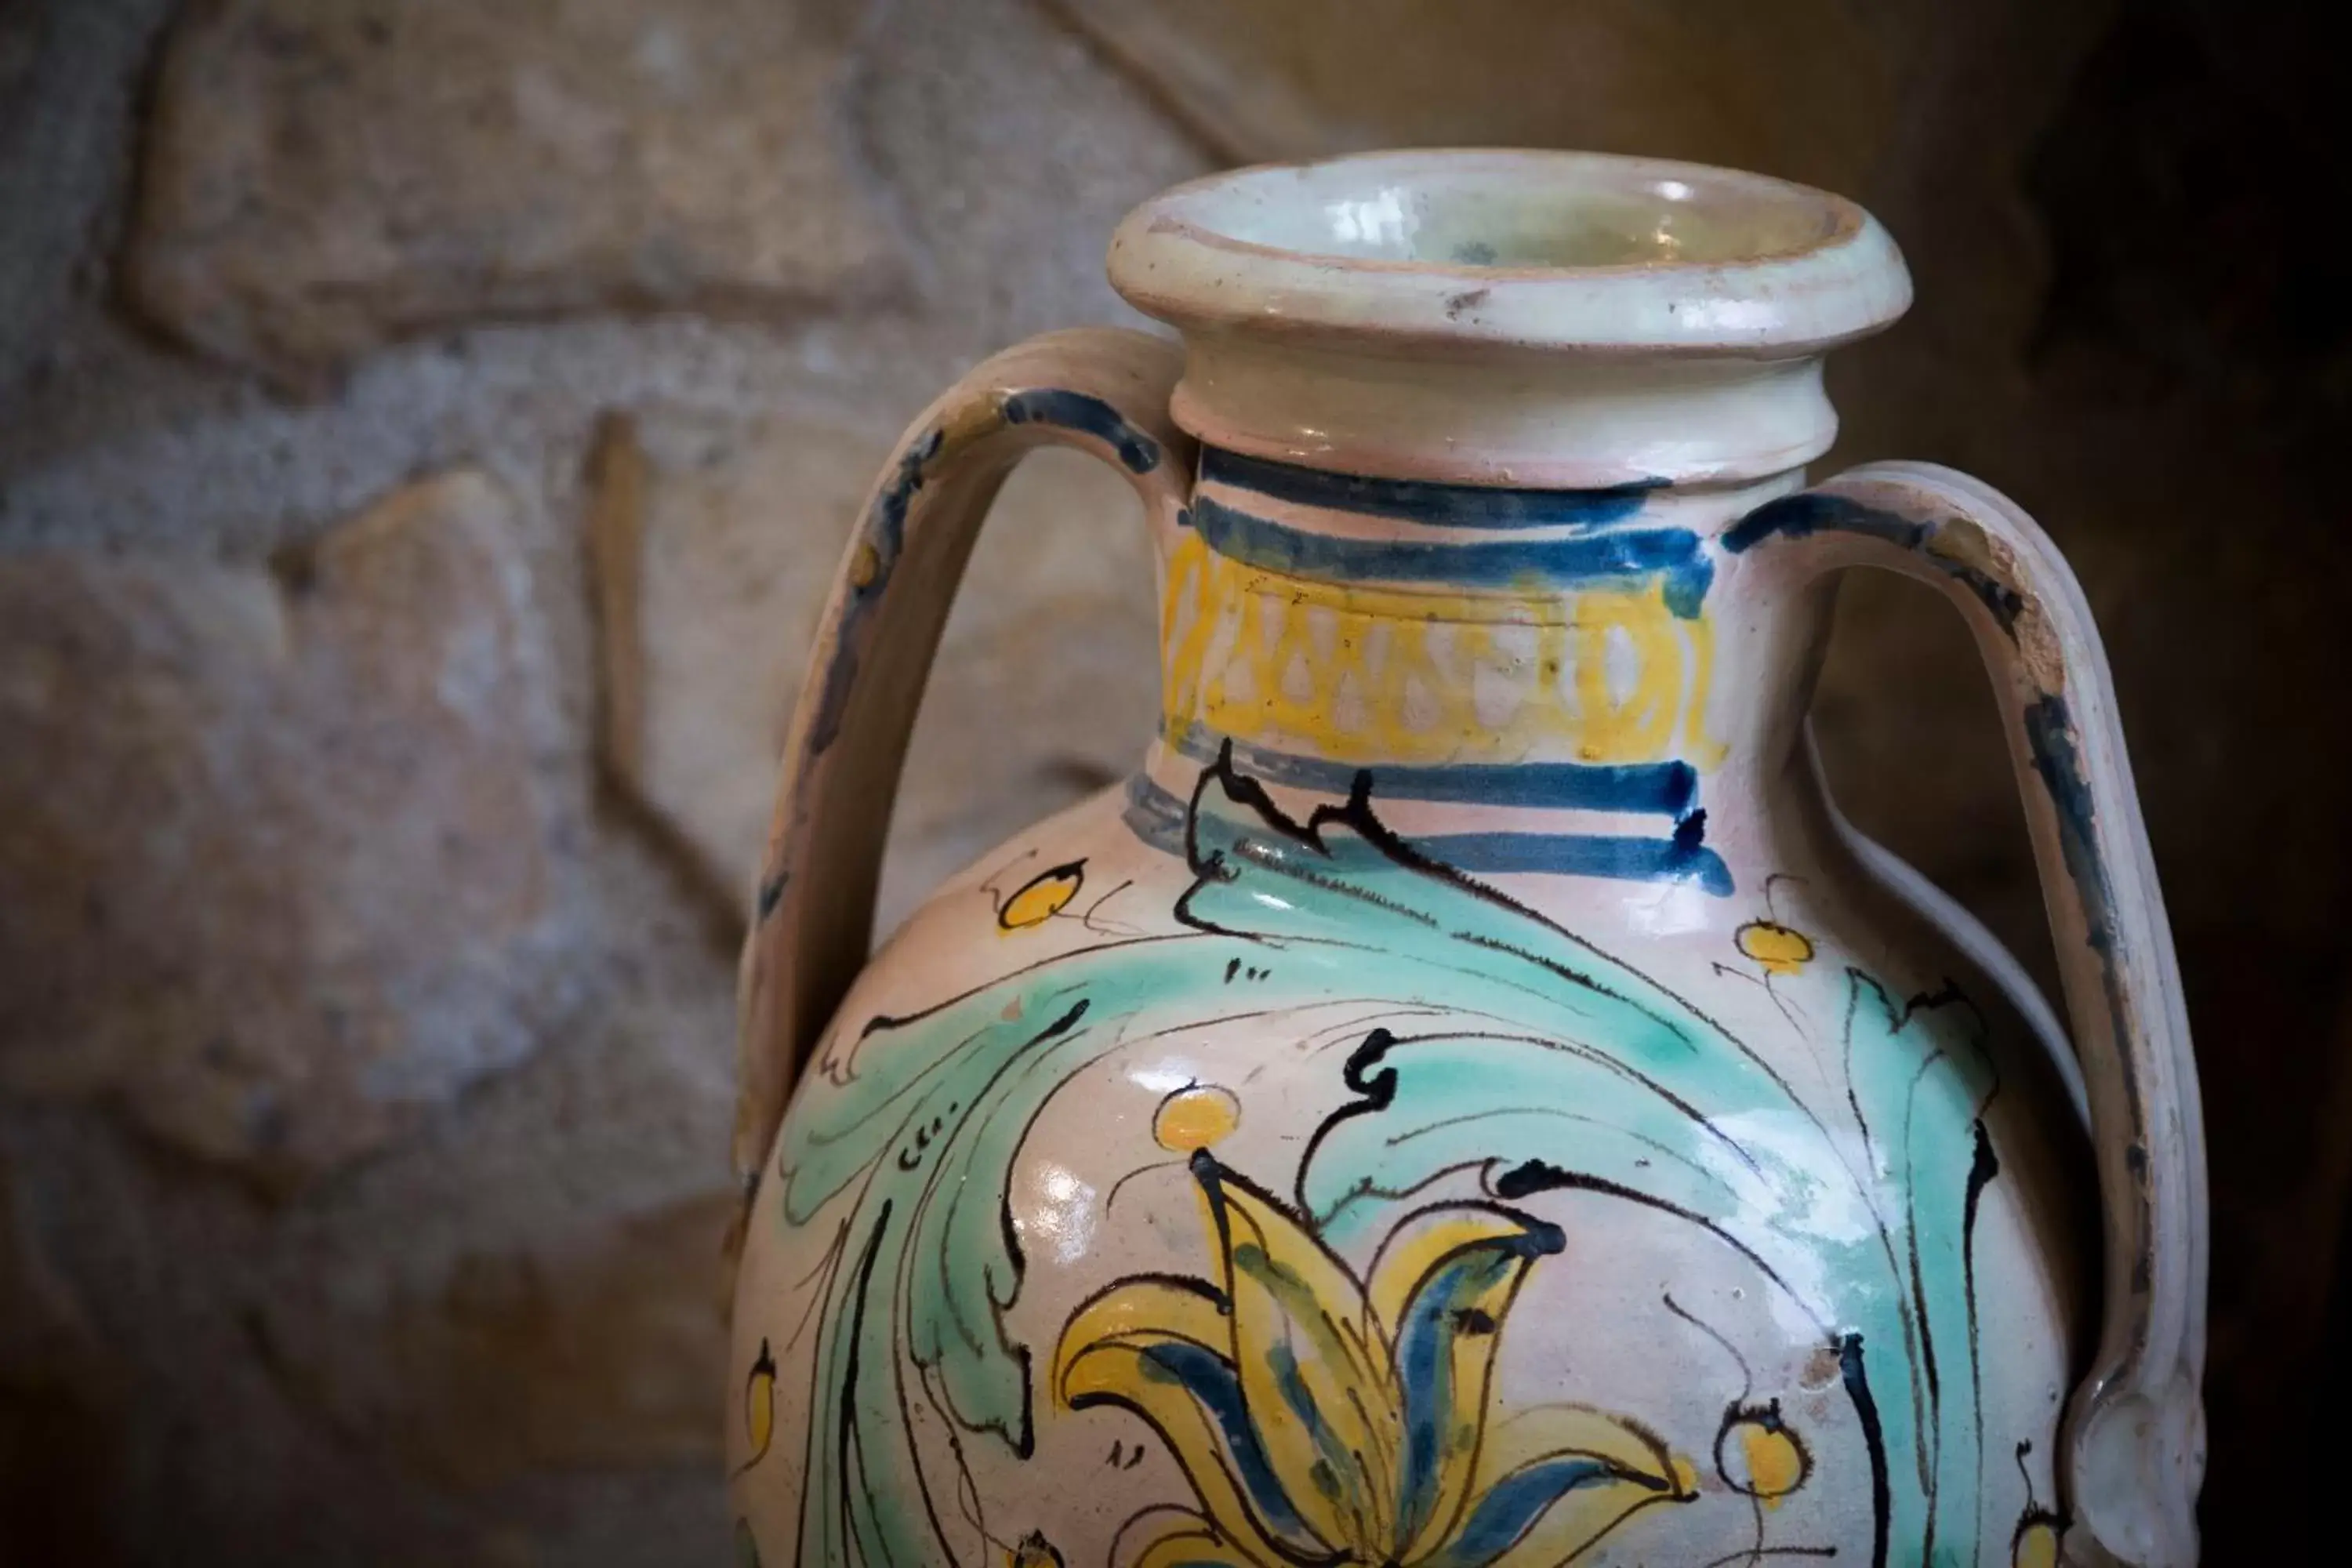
(1157, 817)
(1663, 789)
(1211, 1379)
(1506, 1511)
(1623, 556)
(1436, 1321)
(1582, 854)
(1418, 500)
(1810, 512)
(1087, 414)
(1154, 816)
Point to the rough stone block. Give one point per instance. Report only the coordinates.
(607, 1351)
(1665, 78)
(716, 542)
(322, 175)
(277, 863)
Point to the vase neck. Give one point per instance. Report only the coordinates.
(1505, 416)
(1554, 679)
(1474, 420)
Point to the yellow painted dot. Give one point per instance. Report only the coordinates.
(865, 567)
(760, 1405)
(1759, 1456)
(1775, 946)
(1776, 1467)
(1042, 896)
(2036, 1546)
(1195, 1118)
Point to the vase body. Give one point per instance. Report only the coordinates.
(1467, 1098)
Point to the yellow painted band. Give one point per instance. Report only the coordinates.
(1363, 674)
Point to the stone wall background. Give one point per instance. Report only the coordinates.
(425, 428)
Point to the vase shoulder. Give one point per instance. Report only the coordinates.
(1310, 1196)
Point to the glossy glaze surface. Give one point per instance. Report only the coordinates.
(1468, 1100)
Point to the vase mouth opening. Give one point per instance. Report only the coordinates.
(1535, 249)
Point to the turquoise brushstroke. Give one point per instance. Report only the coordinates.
(905, 1133)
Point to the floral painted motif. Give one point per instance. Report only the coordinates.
(1495, 1051)
(1324, 1420)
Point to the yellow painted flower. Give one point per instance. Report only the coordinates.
(1324, 1421)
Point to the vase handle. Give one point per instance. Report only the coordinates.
(1103, 391)
(2133, 1453)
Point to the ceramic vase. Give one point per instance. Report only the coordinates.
(1468, 1099)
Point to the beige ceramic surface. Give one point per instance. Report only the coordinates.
(1468, 1099)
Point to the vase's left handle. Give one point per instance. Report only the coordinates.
(1101, 390)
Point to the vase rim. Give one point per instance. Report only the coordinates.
(1459, 250)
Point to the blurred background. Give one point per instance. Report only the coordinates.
(426, 429)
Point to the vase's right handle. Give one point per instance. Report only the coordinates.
(2133, 1454)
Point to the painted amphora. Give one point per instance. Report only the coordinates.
(1468, 1100)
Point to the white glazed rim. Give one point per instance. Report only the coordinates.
(1780, 269)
